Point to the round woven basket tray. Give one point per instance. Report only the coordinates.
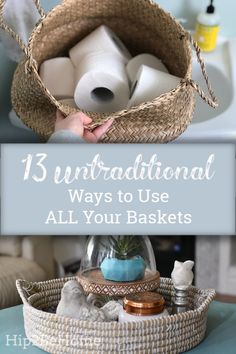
(60, 335)
(93, 282)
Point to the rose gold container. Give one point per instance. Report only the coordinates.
(144, 306)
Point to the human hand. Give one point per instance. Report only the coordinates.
(75, 123)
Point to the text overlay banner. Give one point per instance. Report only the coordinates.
(118, 189)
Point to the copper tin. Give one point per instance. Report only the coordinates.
(144, 304)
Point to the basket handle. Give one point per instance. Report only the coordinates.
(26, 289)
(210, 100)
(11, 32)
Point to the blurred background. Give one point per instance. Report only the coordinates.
(41, 258)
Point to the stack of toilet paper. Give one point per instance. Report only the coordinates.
(101, 76)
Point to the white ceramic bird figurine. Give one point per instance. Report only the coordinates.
(111, 310)
(73, 300)
(74, 304)
(96, 300)
(182, 274)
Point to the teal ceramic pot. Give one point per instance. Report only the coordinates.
(123, 270)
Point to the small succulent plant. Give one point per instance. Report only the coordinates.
(125, 247)
(123, 261)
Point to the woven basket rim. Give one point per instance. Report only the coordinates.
(118, 114)
(209, 295)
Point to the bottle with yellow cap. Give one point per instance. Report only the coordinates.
(207, 29)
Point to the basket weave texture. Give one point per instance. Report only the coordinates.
(144, 27)
(60, 335)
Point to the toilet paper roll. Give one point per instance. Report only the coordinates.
(150, 84)
(134, 64)
(58, 75)
(69, 102)
(103, 39)
(102, 84)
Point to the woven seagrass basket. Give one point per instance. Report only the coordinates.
(145, 28)
(60, 335)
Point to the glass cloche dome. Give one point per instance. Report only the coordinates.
(118, 258)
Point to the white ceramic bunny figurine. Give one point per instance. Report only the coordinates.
(182, 274)
(74, 304)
